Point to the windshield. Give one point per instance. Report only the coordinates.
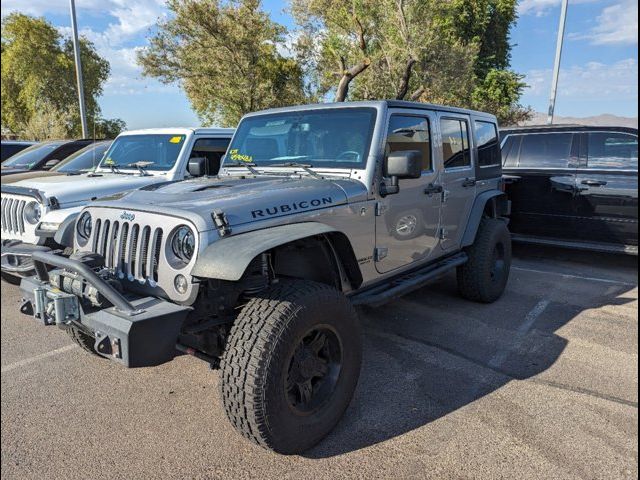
(328, 138)
(158, 152)
(29, 157)
(83, 160)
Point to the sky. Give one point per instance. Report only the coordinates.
(599, 71)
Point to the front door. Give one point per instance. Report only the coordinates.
(607, 189)
(458, 178)
(407, 223)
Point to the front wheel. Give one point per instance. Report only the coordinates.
(484, 277)
(291, 365)
(11, 279)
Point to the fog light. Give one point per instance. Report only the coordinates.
(181, 284)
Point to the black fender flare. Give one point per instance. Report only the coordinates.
(477, 211)
(228, 258)
(66, 231)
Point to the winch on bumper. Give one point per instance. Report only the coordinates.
(135, 332)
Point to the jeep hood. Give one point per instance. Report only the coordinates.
(71, 190)
(242, 200)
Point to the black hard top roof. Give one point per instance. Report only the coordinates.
(567, 128)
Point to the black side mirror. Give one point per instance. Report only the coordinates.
(50, 164)
(197, 166)
(397, 165)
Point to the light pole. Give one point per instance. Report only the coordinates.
(76, 53)
(556, 66)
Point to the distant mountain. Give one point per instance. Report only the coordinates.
(605, 119)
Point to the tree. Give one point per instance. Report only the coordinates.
(48, 123)
(38, 75)
(455, 52)
(225, 55)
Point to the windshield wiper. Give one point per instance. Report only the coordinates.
(141, 166)
(305, 166)
(248, 165)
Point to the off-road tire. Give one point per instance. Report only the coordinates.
(84, 340)
(11, 279)
(477, 279)
(256, 360)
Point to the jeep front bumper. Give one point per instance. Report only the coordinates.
(15, 257)
(134, 331)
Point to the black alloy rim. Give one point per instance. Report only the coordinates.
(313, 370)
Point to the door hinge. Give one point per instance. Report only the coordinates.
(380, 253)
(445, 196)
(443, 234)
(381, 208)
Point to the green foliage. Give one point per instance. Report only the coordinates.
(499, 93)
(38, 77)
(107, 128)
(455, 52)
(225, 57)
(48, 123)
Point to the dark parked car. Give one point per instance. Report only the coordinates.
(84, 160)
(11, 147)
(42, 156)
(575, 186)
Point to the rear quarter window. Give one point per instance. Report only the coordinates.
(488, 144)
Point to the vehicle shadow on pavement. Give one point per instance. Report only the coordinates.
(432, 353)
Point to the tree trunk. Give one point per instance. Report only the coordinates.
(348, 75)
(404, 82)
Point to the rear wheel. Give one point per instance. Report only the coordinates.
(291, 365)
(484, 277)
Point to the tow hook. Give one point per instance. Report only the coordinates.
(108, 346)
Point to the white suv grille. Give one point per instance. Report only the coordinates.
(12, 217)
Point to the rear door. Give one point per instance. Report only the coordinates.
(607, 181)
(459, 179)
(542, 194)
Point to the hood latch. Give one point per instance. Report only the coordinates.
(221, 222)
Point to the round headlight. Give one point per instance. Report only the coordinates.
(32, 213)
(84, 226)
(183, 243)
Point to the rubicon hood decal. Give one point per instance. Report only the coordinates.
(243, 200)
(292, 207)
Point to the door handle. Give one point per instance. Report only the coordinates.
(469, 182)
(433, 189)
(594, 183)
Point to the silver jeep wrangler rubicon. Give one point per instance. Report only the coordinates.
(316, 209)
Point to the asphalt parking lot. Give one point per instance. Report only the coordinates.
(542, 384)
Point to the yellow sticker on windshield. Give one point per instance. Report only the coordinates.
(175, 139)
(109, 161)
(239, 157)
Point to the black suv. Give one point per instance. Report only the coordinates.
(575, 186)
(42, 156)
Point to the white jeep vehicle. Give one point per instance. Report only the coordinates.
(34, 210)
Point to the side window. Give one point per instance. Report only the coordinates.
(612, 151)
(212, 149)
(511, 150)
(455, 143)
(488, 145)
(547, 150)
(410, 133)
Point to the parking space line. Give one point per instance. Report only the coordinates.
(42, 356)
(501, 355)
(580, 277)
